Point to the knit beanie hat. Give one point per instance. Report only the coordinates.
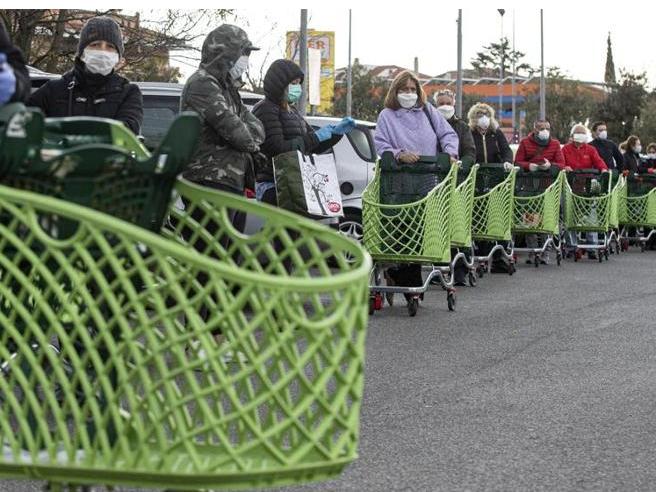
(101, 29)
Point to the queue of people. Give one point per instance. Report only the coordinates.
(237, 146)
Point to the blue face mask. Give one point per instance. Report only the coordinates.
(294, 93)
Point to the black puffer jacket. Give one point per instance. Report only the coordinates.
(80, 93)
(492, 147)
(285, 129)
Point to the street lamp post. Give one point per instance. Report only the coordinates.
(459, 76)
(302, 46)
(349, 75)
(503, 60)
(543, 109)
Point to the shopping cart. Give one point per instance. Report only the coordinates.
(134, 358)
(407, 220)
(638, 208)
(617, 197)
(537, 211)
(492, 215)
(461, 220)
(587, 205)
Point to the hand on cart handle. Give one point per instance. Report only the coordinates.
(533, 167)
(408, 157)
(508, 166)
(545, 166)
(568, 169)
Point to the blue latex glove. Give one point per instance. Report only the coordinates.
(324, 133)
(345, 126)
(7, 80)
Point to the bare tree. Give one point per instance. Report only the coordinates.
(48, 38)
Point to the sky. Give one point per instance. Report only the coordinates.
(575, 38)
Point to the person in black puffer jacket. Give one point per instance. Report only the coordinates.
(92, 87)
(285, 127)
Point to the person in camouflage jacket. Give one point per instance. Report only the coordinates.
(231, 135)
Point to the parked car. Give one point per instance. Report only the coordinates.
(355, 154)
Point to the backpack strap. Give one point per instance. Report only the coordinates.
(430, 120)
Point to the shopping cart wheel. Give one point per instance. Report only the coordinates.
(642, 246)
(559, 258)
(511, 268)
(473, 279)
(372, 305)
(451, 299)
(413, 305)
(606, 254)
(480, 271)
(536, 261)
(600, 257)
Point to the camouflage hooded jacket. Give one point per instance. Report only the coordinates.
(230, 133)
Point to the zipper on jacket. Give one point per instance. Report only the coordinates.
(71, 85)
(484, 147)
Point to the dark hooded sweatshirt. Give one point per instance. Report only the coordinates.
(230, 133)
(81, 93)
(285, 129)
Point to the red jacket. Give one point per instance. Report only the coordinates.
(583, 157)
(528, 152)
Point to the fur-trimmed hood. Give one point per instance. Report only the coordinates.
(473, 120)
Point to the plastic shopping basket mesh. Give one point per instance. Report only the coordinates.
(416, 231)
(638, 204)
(587, 201)
(537, 202)
(204, 359)
(462, 208)
(492, 210)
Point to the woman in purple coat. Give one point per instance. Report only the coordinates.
(408, 127)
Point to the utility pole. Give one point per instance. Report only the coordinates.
(515, 133)
(302, 46)
(503, 61)
(543, 109)
(349, 75)
(459, 76)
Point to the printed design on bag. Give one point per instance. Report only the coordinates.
(322, 193)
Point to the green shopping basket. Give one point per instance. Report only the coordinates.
(462, 208)
(148, 398)
(587, 201)
(536, 206)
(406, 211)
(493, 203)
(637, 206)
(94, 162)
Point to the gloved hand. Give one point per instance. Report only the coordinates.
(507, 166)
(345, 126)
(533, 167)
(545, 166)
(324, 133)
(7, 80)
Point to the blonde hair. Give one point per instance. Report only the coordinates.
(473, 120)
(392, 102)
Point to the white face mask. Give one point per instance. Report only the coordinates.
(240, 66)
(637, 149)
(484, 122)
(651, 156)
(447, 111)
(579, 137)
(407, 101)
(603, 135)
(544, 134)
(99, 61)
